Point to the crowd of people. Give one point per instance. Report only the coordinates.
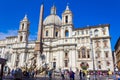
(84, 75)
(18, 74)
(69, 75)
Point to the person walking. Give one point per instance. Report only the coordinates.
(83, 74)
(62, 75)
(32, 74)
(50, 74)
(72, 75)
(80, 75)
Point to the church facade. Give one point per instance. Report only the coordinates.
(64, 47)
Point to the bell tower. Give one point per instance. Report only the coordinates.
(67, 16)
(67, 23)
(23, 32)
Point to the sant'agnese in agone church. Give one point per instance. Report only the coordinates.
(59, 44)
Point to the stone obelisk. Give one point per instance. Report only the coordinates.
(38, 45)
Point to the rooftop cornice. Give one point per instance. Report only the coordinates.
(96, 26)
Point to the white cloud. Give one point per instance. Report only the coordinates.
(3, 35)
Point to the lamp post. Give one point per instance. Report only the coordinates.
(91, 43)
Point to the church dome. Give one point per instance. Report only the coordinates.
(52, 19)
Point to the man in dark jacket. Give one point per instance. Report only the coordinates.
(80, 74)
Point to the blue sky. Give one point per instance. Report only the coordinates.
(85, 12)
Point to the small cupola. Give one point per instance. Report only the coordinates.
(25, 18)
(53, 10)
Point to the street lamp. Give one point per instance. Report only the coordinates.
(91, 43)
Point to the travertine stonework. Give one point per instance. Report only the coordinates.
(64, 46)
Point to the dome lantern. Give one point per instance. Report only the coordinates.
(53, 10)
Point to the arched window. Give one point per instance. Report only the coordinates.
(56, 34)
(47, 33)
(96, 33)
(83, 53)
(66, 19)
(66, 33)
(66, 55)
(22, 26)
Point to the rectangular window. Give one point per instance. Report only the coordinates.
(82, 32)
(98, 55)
(86, 31)
(107, 63)
(105, 43)
(104, 31)
(97, 43)
(83, 40)
(46, 33)
(78, 54)
(88, 54)
(106, 54)
(66, 63)
(99, 66)
(78, 33)
(54, 65)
